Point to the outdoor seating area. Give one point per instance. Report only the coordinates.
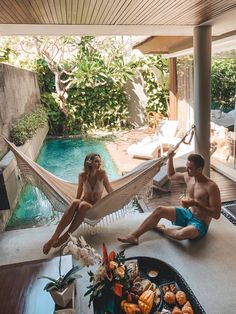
(189, 258)
(154, 146)
(101, 103)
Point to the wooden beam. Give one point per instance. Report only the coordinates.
(173, 101)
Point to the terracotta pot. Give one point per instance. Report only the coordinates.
(62, 298)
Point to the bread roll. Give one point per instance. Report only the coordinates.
(176, 310)
(169, 297)
(181, 297)
(187, 308)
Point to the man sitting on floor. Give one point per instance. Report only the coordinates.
(201, 204)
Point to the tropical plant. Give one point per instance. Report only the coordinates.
(111, 276)
(154, 70)
(27, 126)
(46, 78)
(56, 118)
(5, 54)
(81, 251)
(86, 78)
(223, 84)
(62, 282)
(97, 98)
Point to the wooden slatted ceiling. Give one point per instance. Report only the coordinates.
(112, 12)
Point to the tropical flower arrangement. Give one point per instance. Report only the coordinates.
(110, 280)
(117, 286)
(61, 288)
(81, 251)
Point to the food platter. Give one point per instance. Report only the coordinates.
(154, 279)
(163, 274)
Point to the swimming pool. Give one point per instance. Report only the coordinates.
(64, 158)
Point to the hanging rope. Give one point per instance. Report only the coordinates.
(191, 131)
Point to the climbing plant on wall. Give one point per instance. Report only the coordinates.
(155, 72)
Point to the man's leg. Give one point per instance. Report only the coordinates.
(76, 222)
(182, 233)
(149, 223)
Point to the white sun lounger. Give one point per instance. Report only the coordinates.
(161, 178)
(151, 147)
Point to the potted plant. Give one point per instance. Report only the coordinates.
(62, 288)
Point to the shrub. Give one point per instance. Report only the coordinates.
(56, 118)
(223, 84)
(46, 78)
(26, 127)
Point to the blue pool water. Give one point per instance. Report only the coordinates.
(64, 158)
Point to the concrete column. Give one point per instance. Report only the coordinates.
(202, 92)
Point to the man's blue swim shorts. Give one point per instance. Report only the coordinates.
(184, 217)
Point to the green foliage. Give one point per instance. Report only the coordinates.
(45, 76)
(106, 278)
(97, 98)
(96, 94)
(5, 54)
(223, 84)
(91, 80)
(26, 127)
(154, 70)
(62, 282)
(56, 118)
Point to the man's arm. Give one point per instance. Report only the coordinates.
(214, 208)
(172, 174)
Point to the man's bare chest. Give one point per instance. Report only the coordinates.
(197, 190)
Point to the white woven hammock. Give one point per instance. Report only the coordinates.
(61, 193)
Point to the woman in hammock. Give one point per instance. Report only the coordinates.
(90, 189)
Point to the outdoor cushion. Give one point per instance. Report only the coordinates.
(150, 147)
(161, 178)
(146, 150)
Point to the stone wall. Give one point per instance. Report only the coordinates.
(19, 94)
(11, 177)
(137, 101)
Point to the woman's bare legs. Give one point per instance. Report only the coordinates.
(149, 223)
(64, 222)
(76, 222)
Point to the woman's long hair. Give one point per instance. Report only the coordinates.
(89, 160)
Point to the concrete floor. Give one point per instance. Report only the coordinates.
(207, 265)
